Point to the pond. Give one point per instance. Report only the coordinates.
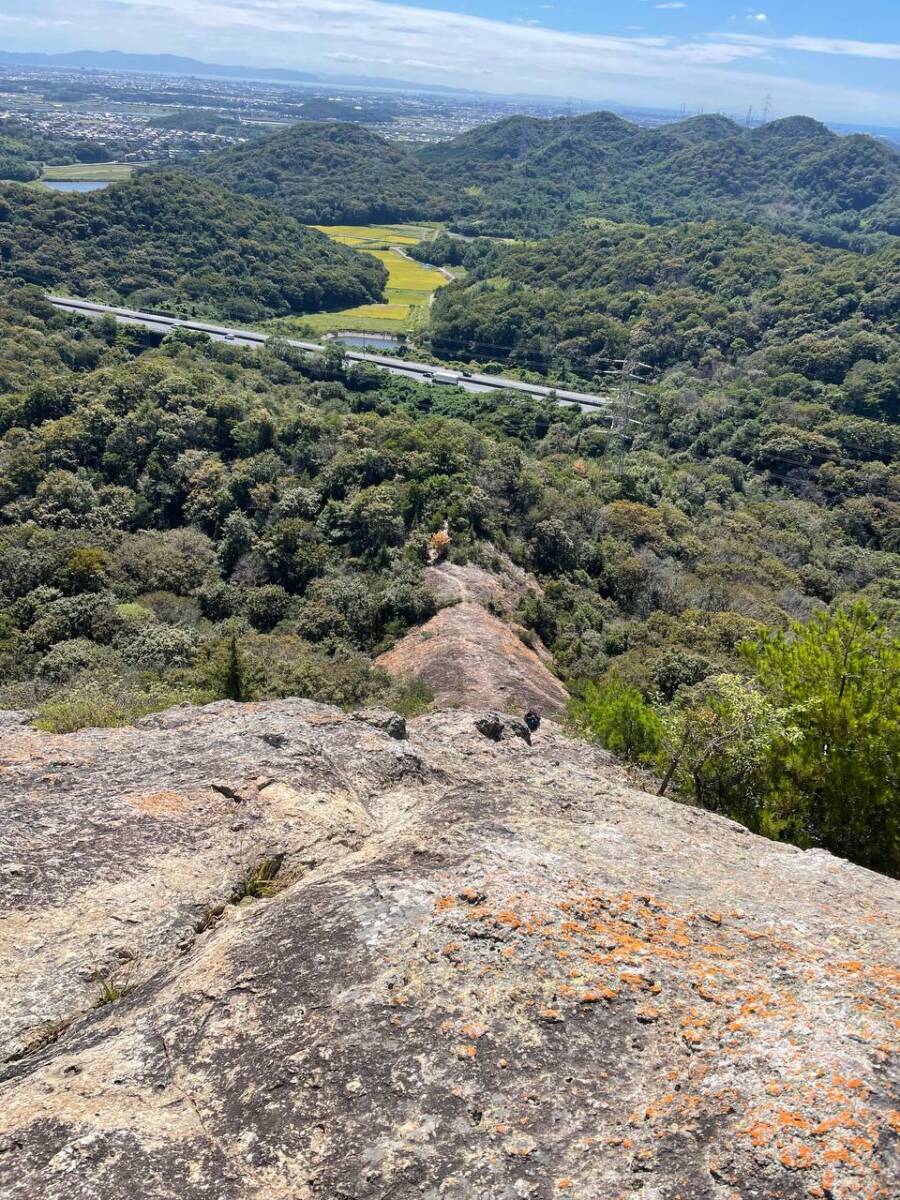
(374, 341)
(76, 185)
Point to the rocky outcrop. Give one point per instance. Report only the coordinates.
(339, 963)
(471, 659)
(501, 588)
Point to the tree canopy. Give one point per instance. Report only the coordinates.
(168, 241)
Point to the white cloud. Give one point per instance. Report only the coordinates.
(675, 4)
(818, 45)
(757, 16)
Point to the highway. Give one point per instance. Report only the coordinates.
(423, 372)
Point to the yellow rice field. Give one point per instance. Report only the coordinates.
(365, 235)
(410, 284)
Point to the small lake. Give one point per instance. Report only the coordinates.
(76, 185)
(376, 341)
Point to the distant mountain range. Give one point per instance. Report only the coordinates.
(176, 64)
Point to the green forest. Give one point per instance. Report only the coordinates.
(527, 177)
(328, 174)
(715, 561)
(167, 241)
(532, 177)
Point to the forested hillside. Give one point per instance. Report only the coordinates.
(712, 562)
(202, 521)
(168, 241)
(534, 177)
(328, 174)
(527, 176)
(698, 294)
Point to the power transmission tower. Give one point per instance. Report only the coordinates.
(749, 118)
(629, 371)
(767, 109)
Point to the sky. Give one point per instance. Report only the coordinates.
(838, 60)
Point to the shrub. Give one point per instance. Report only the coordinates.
(65, 660)
(103, 703)
(156, 647)
(677, 668)
(177, 560)
(438, 545)
(616, 715)
(88, 615)
(717, 740)
(553, 550)
(409, 696)
(274, 666)
(85, 570)
(264, 607)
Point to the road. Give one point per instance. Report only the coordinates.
(423, 372)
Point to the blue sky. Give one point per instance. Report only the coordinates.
(835, 60)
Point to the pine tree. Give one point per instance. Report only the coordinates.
(838, 784)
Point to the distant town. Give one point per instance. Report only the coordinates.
(141, 116)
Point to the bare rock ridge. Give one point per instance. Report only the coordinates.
(341, 962)
(468, 656)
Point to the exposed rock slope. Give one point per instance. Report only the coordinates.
(470, 658)
(496, 971)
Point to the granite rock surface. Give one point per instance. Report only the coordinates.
(278, 951)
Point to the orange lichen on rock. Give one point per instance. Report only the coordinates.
(631, 947)
(760, 1133)
(474, 1030)
(793, 1120)
(508, 918)
(797, 1157)
(594, 995)
(466, 1051)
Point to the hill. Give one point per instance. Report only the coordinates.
(472, 654)
(690, 293)
(531, 176)
(328, 174)
(169, 241)
(459, 958)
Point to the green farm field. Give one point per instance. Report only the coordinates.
(90, 173)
